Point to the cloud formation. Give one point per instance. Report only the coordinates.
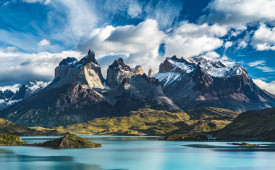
(190, 40)
(264, 38)
(20, 67)
(238, 13)
(44, 42)
(138, 43)
(270, 87)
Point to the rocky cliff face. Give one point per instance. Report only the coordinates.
(86, 72)
(141, 91)
(209, 82)
(117, 72)
(151, 72)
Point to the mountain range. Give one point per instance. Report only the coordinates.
(8, 97)
(79, 92)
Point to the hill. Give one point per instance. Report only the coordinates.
(257, 124)
(69, 142)
(152, 122)
(9, 127)
(10, 140)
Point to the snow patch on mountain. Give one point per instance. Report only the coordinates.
(36, 85)
(212, 66)
(168, 77)
(183, 65)
(218, 67)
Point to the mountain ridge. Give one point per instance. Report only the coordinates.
(79, 92)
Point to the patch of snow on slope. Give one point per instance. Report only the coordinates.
(37, 85)
(167, 78)
(218, 67)
(184, 66)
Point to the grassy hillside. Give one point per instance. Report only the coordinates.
(153, 122)
(212, 113)
(20, 130)
(258, 124)
(9, 140)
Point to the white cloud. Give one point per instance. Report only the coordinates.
(228, 44)
(264, 38)
(44, 42)
(10, 49)
(266, 69)
(12, 88)
(22, 67)
(270, 87)
(37, 1)
(192, 40)
(238, 13)
(80, 14)
(139, 43)
(211, 54)
(256, 63)
(260, 64)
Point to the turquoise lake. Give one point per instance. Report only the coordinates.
(137, 153)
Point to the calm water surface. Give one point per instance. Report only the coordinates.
(144, 153)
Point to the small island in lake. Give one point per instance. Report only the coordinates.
(65, 142)
(69, 142)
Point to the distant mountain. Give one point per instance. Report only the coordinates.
(204, 81)
(8, 97)
(79, 93)
(258, 124)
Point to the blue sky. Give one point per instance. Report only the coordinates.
(36, 34)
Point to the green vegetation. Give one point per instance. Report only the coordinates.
(153, 122)
(69, 142)
(66, 142)
(142, 122)
(10, 140)
(253, 125)
(20, 130)
(180, 137)
(212, 113)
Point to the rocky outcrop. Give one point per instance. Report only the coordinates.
(151, 72)
(141, 91)
(208, 82)
(139, 70)
(117, 72)
(86, 72)
(69, 142)
(75, 95)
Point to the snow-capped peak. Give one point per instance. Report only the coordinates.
(213, 67)
(33, 86)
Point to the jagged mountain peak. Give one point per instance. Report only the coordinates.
(139, 70)
(120, 65)
(90, 58)
(204, 81)
(117, 72)
(212, 66)
(86, 72)
(68, 61)
(25, 90)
